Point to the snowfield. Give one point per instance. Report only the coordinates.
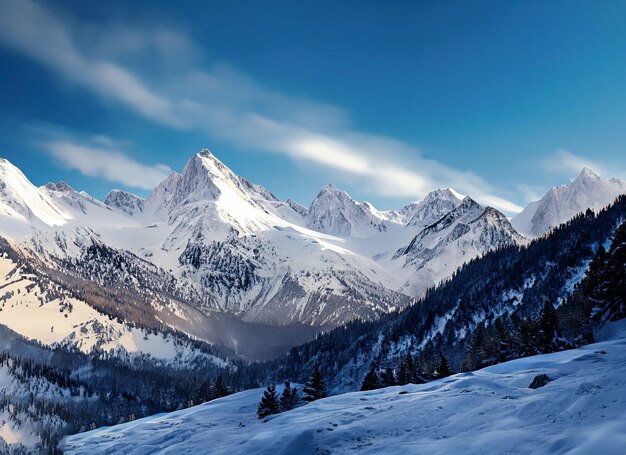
(57, 320)
(582, 410)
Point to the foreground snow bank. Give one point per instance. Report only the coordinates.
(582, 410)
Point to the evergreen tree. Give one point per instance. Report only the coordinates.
(269, 403)
(371, 380)
(616, 279)
(204, 393)
(406, 372)
(315, 388)
(288, 398)
(548, 326)
(388, 379)
(475, 356)
(220, 388)
(529, 337)
(606, 280)
(443, 367)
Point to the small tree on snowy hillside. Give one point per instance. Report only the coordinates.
(289, 397)
(406, 369)
(443, 367)
(549, 327)
(315, 388)
(220, 389)
(269, 403)
(371, 380)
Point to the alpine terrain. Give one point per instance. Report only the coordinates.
(211, 271)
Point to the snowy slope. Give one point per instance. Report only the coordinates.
(488, 411)
(23, 204)
(43, 312)
(560, 204)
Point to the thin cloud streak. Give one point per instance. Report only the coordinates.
(226, 104)
(109, 164)
(568, 164)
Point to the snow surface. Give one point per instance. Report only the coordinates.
(21, 200)
(582, 410)
(54, 319)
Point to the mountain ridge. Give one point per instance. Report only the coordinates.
(561, 203)
(232, 246)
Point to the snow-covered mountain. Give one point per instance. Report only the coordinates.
(333, 211)
(467, 231)
(222, 243)
(434, 206)
(560, 204)
(128, 203)
(23, 204)
(493, 410)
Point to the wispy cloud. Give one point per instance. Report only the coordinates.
(29, 28)
(569, 165)
(108, 163)
(531, 192)
(225, 103)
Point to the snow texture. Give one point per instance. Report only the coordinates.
(581, 410)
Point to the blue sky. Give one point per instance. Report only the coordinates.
(388, 100)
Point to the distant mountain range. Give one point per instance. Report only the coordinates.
(207, 249)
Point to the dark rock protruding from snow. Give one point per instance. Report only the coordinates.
(539, 381)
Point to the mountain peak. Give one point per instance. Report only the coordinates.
(59, 186)
(128, 203)
(434, 205)
(586, 173)
(559, 204)
(333, 211)
(443, 193)
(205, 152)
(20, 199)
(469, 202)
(330, 188)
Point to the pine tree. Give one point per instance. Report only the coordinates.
(269, 403)
(220, 388)
(443, 367)
(616, 279)
(388, 379)
(371, 380)
(606, 280)
(548, 325)
(203, 393)
(289, 397)
(406, 373)
(529, 337)
(314, 389)
(475, 356)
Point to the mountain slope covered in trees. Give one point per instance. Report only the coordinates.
(512, 302)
